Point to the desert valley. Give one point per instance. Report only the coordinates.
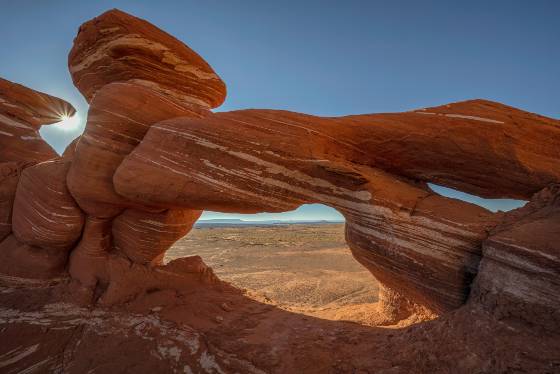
(304, 268)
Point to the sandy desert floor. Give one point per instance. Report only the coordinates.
(300, 268)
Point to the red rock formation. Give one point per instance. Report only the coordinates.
(45, 214)
(448, 149)
(426, 246)
(519, 277)
(153, 157)
(117, 47)
(9, 176)
(21, 260)
(22, 112)
(118, 118)
(68, 153)
(144, 237)
(88, 261)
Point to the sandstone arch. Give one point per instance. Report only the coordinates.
(153, 156)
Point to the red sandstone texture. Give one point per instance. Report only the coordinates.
(45, 214)
(82, 236)
(117, 47)
(22, 112)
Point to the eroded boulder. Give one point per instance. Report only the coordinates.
(118, 47)
(45, 214)
(21, 260)
(119, 116)
(144, 237)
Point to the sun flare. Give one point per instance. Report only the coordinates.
(68, 123)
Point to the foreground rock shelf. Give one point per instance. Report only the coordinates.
(83, 236)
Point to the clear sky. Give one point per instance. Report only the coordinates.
(318, 57)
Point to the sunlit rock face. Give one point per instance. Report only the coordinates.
(119, 116)
(134, 75)
(477, 146)
(117, 47)
(22, 113)
(153, 156)
(369, 167)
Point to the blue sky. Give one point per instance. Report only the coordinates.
(319, 57)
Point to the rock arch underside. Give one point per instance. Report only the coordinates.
(83, 235)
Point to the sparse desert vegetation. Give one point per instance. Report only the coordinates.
(303, 268)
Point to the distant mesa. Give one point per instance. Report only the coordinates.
(241, 222)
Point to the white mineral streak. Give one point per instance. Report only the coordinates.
(474, 118)
(462, 116)
(138, 41)
(10, 122)
(527, 287)
(177, 95)
(209, 363)
(513, 259)
(533, 252)
(17, 354)
(417, 233)
(177, 344)
(30, 137)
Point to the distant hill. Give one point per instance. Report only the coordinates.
(219, 222)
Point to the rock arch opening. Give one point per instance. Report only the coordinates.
(297, 260)
(493, 205)
(98, 220)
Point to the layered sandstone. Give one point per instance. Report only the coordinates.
(425, 245)
(39, 217)
(153, 156)
(519, 276)
(144, 236)
(45, 214)
(118, 118)
(22, 112)
(117, 47)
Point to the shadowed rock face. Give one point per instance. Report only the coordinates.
(9, 176)
(40, 219)
(520, 268)
(22, 112)
(144, 237)
(32, 107)
(45, 214)
(153, 156)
